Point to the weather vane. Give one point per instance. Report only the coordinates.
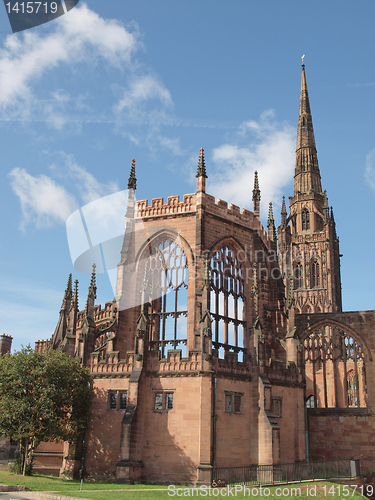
(303, 60)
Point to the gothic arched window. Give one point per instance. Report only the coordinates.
(310, 402)
(305, 219)
(227, 303)
(168, 284)
(103, 344)
(335, 368)
(315, 274)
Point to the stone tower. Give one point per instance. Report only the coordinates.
(308, 244)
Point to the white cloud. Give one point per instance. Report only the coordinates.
(89, 187)
(45, 202)
(144, 106)
(141, 89)
(81, 35)
(264, 145)
(370, 169)
(128, 95)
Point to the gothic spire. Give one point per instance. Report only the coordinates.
(256, 196)
(75, 296)
(67, 295)
(271, 223)
(91, 296)
(201, 172)
(92, 287)
(132, 182)
(307, 175)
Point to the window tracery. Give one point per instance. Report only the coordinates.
(168, 286)
(227, 303)
(305, 219)
(102, 344)
(335, 368)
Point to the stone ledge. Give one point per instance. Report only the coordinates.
(6, 487)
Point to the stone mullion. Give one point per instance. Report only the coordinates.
(235, 323)
(356, 373)
(175, 314)
(226, 317)
(335, 371)
(314, 373)
(324, 358)
(345, 374)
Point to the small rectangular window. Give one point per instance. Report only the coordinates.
(237, 404)
(123, 400)
(169, 401)
(158, 401)
(112, 400)
(228, 403)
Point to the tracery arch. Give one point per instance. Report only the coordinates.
(305, 219)
(167, 271)
(227, 301)
(335, 367)
(103, 344)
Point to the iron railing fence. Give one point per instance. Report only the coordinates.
(285, 473)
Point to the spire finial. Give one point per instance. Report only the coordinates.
(75, 296)
(270, 214)
(92, 287)
(69, 284)
(132, 182)
(201, 172)
(68, 294)
(303, 61)
(256, 196)
(91, 296)
(271, 224)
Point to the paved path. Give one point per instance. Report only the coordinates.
(34, 495)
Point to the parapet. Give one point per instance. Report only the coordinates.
(5, 343)
(173, 206)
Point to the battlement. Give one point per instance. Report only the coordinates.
(105, 315)
(190, 203)
(111, 364)
(173, 206)
(244, 217)
(42, 345)
(5, 343)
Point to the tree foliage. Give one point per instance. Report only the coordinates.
(43, 397)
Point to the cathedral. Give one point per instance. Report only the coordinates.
(226, 344)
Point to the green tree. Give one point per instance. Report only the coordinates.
(43, 397)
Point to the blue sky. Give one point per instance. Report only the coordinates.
(112, 80)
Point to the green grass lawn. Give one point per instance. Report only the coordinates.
(111, 491)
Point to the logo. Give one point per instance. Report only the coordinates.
(25, 15)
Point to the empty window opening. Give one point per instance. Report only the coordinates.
(227, 302)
